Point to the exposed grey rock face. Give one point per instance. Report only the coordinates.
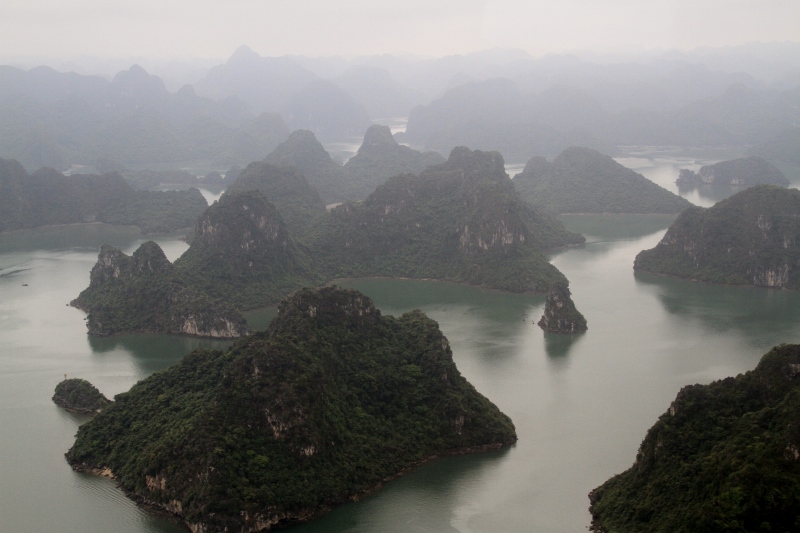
(560, 314)
(750, 238)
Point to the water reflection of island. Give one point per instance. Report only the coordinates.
(756, 312)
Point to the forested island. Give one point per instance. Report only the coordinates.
(746, 172)
(459, 221)
(79, 396)
(329, 403)
(144, 293)
(47, 197)
(751, 238)
(724, 457)
(582, 180)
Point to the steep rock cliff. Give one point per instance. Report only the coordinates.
(327, 405)
(560, 314)
(751, 238)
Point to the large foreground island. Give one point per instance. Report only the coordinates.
(724, 457)
(326, 405)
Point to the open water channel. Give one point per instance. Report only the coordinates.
(581, 404)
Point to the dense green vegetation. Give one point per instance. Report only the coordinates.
(156, 211)
(330, 402)
(144, 293)
(287, 189)
(581, 180)
(724, 457)
(379, 158)
(79, 396)
(303, 151)
(745, 171)
(461, 221)
(243, 253)
(47, 197)
(752, 237)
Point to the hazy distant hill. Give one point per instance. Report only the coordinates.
(303, 151)
(378, 92)
(496, 113)
(264, 83)
(54, 119)
(783, 147)
(327, 110)
(744, 172)
(582, 180)
(379, 158)
(47, 197)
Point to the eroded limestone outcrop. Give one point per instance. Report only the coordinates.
(560, 314)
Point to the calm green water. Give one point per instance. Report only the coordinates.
(581, 404)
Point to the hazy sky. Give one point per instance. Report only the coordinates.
(215, 28)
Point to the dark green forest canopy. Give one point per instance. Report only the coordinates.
(723, 458)
(751, 238)
(328, 403)
(582, 180)
(461, 221)
(79, 396)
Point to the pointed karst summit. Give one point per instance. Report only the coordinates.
(751, 238)
(381, 157)
(297, 202)
(724, 457)
(122, 286)
(560, 314)
(582, 180)
(459, 221)
(242, 253)
(329, 403)
(746, 172)
(303, 151)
